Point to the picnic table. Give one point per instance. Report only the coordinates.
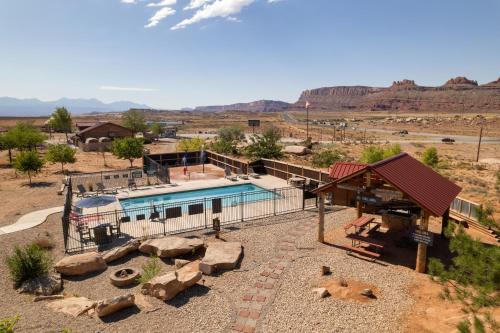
(359, 223)
(359, 243)
(296, 181)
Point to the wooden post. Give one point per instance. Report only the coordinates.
(321, 221)
(444, 222)
(359, 207)
(422, 248)
(479, 144)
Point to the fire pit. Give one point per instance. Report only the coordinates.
(123, 277)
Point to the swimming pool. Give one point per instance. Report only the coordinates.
(230, 196)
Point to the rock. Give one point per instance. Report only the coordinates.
(121, 251)
(343, 282)
(142, 303)
(325, 270)
(44, 285)
(296, 150)
(181, 262)
(220, 255)
(47, 298)
(171, 246)
(81, 264)
(367, 292)
(109, 306)
(320, 292)
(167, 286)
(74, 306)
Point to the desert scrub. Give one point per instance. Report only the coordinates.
(28, 262)
(7, 324)
(150, 269)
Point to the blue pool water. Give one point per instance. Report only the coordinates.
(230, 195)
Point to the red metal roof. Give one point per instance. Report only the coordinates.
(423, 185)
(343, 169)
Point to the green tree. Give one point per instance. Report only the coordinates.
(60, 120)
(7, 142)
(228, 139)
(265, 145)
(134, 119)
(430, 157)
(26, 136)
(372, 154)
(474, 274)
(61, 154)
(327, 157)
(485, 217)
(157, 129)
(128, 149)
(28, 162)
(193, 144)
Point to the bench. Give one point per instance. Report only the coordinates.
(359, 222)
(362, 251)
(366, 240)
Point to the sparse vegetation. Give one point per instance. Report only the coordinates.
(327, 157)
(372, 154)
(157, 129)
(134, 120)
(474, 274)
(28, 262)
(7, 324)
(228, 139)
(28, 162)
(150, 269)
(128, 149)
(485, 217)
(193, 144)
(265, 145)
(61, 154)
(430, 157)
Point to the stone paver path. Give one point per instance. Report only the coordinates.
(261, 293)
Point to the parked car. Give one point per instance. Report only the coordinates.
(447, 140)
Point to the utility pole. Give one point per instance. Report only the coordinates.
(479, 143)
(307, 120)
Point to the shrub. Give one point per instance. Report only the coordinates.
(327, 157)
(430, 157)
(7, 324)
(193, 144)
(372, 154)
(150, 269)
(28, 262)
(265, 145)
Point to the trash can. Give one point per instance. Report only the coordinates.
(101, 235)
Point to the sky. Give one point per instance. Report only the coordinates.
(186, 53)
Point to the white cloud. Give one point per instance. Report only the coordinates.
(273, 1)
(160, 15)
(233, 19)
(162, 3)
(219, 8)
(193, 4)
(115, 88)
(129, 1)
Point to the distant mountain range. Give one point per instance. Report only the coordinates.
(456, 95)
(257, 106)
(34, 107)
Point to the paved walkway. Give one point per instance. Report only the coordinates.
(255, 303)
(30, 220)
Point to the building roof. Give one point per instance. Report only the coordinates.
(420, 183)
(343, 169)
(97, 125)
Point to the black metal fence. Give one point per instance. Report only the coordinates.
(151, 219)
(113, 179)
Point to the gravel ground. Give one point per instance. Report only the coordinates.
(295, 309)
(203, 308)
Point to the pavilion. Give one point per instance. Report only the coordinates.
(394, 185)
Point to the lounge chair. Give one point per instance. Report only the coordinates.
(253, 174)
(131, 184)
(82, 192)
(241, 175)
(229, 175)
(101, 188)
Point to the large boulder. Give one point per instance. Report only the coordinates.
(74, 306)
(167, 286)
(220, 256)
(171, 246)
(44, 285)
(81, 264)
(121, 251)
(109, 306)
(296, 150)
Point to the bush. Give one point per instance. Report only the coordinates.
(265, 145)
(430, 157)
(150, 269)
(372, 154)
(7, 324)
(326, 158)
(194, 144)
(28, 262)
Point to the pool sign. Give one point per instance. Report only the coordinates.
(421, 236)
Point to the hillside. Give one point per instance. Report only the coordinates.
(257, 106)
(456, 95)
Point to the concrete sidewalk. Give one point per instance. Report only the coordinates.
(30, 220)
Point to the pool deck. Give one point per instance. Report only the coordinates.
(265, 181)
